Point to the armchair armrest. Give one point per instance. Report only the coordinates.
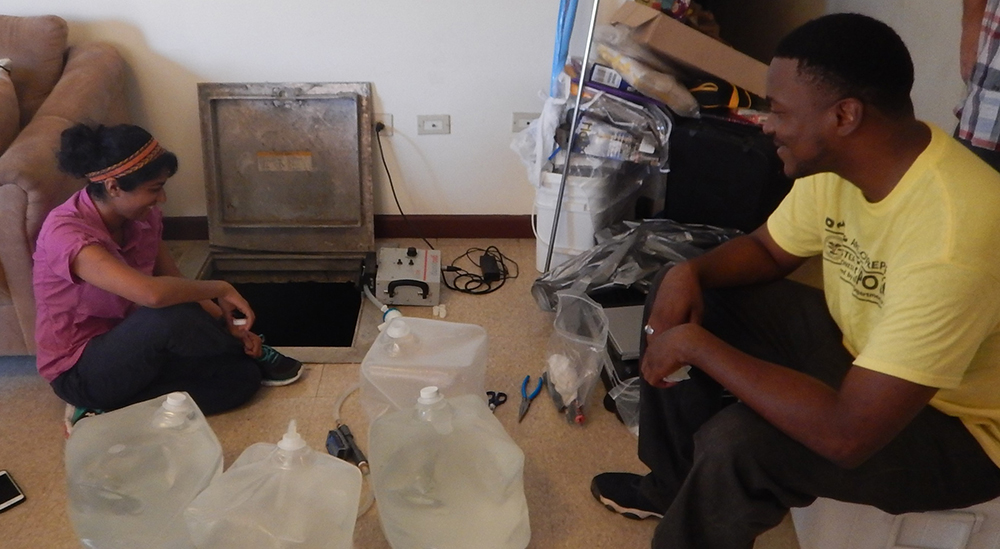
(91, 89)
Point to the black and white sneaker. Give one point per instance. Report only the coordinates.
(620, 492)
(276, 368)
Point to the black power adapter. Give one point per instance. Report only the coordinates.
(490, 262)
(491, 270)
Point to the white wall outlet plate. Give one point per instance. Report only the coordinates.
(429, 124)
(524, 119)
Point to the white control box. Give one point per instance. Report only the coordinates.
(408, 276)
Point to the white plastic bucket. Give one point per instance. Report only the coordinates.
(587, 202)
(598, 190)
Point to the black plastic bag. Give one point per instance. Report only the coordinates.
(628, 256)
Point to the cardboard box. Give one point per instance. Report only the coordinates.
(690, 48)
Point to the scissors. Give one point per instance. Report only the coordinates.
(526, 398)
(496, 399)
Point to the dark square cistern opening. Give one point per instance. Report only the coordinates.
(304, 314)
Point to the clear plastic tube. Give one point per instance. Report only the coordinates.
(372, 298)
(340, 401)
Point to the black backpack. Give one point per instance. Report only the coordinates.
(722, 173)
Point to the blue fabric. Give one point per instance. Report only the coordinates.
(564, 31)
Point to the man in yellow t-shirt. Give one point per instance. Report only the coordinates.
(883, 391)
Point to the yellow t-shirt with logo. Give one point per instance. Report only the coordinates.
(913, 280)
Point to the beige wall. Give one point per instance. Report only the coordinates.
(755, 26)
(477, 61)
(931, 30)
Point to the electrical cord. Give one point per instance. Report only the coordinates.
(472, 283)
(378, 137)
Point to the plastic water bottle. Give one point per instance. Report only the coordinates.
(280, 495)
(447, 476)
(131, 473)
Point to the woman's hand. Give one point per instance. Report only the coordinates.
(252, 344)
(230, 301)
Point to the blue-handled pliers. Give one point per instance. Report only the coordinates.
(526, 398)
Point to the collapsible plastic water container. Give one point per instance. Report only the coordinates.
(446, 475)
(413, 353)
(280, 495)
(132, 472)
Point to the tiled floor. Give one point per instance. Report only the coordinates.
(560, 458)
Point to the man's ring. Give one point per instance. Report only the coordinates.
(648, 329)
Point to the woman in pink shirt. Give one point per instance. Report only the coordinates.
(117, 324)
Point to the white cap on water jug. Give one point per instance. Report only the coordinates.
(429, 395)
(291, 440)
(177, 402)
(398, 329)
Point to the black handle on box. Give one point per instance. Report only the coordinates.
(425, 289)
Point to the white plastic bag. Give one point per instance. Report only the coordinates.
(576, 353)
(536, 143)
(626, 397)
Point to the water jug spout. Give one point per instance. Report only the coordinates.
(176, 412)
(292, 440)
(432, 408)
(401, 340)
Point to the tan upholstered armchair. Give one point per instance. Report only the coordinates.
(51, 86)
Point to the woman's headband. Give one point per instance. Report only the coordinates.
(149, 152)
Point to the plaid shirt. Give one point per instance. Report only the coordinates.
(979, 112)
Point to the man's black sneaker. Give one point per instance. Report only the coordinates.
(276, 368)
(620, 492)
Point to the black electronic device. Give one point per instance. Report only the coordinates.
(340, 443)
(491, 269)
(366, 274)
(624, 334)
(10, 494)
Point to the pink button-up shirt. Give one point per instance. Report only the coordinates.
(71, 311)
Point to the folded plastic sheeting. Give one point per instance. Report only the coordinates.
(628, 255)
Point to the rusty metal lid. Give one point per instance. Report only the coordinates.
(288, 167)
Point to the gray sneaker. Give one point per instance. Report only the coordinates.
(276, 368)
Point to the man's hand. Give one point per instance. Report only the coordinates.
(678, 301)
(669, 351)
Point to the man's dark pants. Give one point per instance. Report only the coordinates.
(156, 351)
(725, 475)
